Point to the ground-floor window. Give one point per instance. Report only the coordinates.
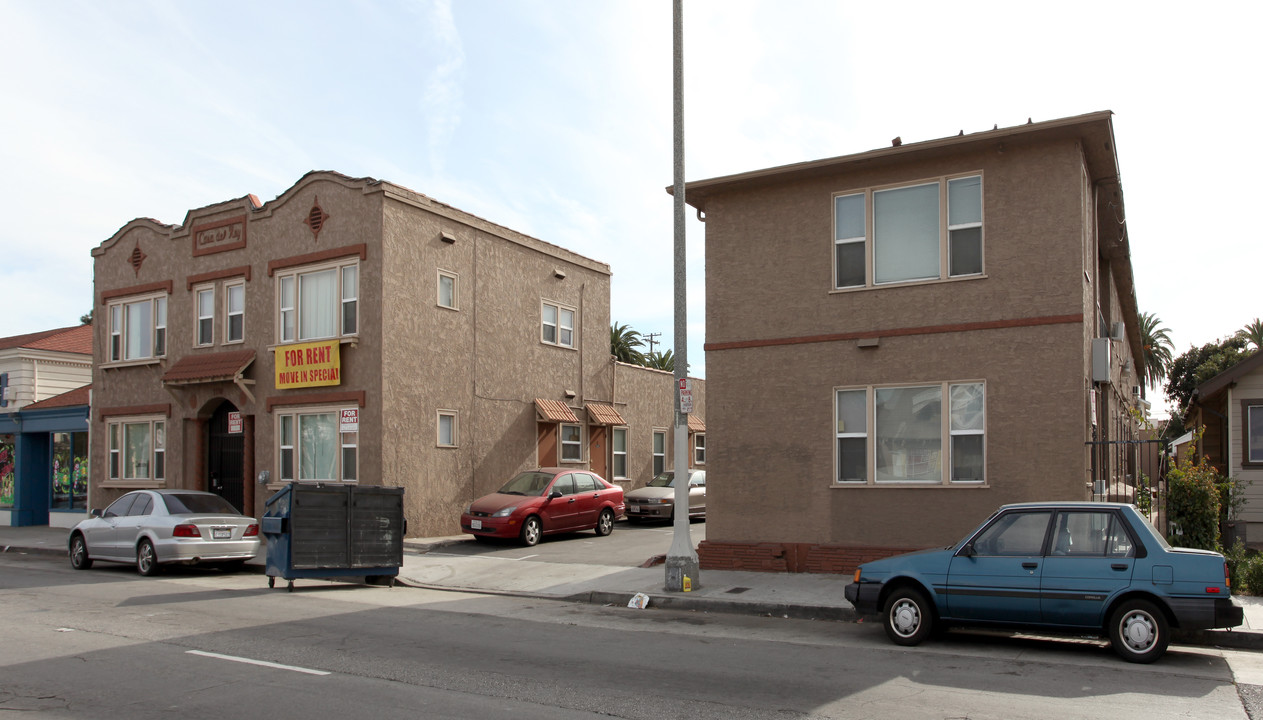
(571, 443)
(8, 461)
(699, 449)
(620, 452)
(911, 434)
(308, 444)
(70, 471)
(659, 452)
(137, 449)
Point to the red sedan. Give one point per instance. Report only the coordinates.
(542, 502)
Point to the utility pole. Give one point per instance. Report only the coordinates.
(681, 558)
(651, 339)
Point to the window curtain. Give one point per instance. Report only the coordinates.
(318, 303)
(318, 436)
(906, 234)
(139, 329)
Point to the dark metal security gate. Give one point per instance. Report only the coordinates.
(1130, 471)
(225, 457)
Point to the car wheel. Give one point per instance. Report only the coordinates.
(531, 531)
(1138, 631)
(909, 617)
(146, 559)
(79, 559)
(605, 522)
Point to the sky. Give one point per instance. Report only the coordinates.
(554, 118)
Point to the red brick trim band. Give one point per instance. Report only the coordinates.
(899, 332)
(327, 398)
(200, 278)
(310, 258)
(790, 557)
(163, 409)
(107, 295)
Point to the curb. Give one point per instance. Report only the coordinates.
(26, 550)
(732, 607)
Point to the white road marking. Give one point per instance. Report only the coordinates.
(525, 557)
(264, 663)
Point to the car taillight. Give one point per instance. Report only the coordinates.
(1227, 579)
(857, 575)
(251, 531)
(186, 530)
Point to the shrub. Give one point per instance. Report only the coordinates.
(1193, 500)
(1251, 576)
(1237, 564)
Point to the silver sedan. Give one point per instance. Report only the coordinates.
(656, 501)
(152, 528)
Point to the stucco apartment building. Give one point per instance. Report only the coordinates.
(352, 330)
(902, 340)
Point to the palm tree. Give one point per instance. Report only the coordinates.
(1253, 334)
(1157, 348)
(624, 343)
(661, 360)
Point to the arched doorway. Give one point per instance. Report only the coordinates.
(225, 455)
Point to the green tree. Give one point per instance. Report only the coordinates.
(86, 319)
(1157, 349)
(625, 344)
(1253, 334)
(1198, 365)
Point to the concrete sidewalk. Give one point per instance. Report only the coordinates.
(428, 564)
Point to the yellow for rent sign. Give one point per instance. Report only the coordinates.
(308, 365)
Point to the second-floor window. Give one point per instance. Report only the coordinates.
(902, 234)
(138, 328)
(318, 303)
(205, 316)
(235, 326)
(557, 325)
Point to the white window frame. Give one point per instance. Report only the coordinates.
(845, 432)
(560, 330)
(453, 429)
(659, 457)
(699, 448)
(947, 433)
(575, 446)
(155, 451)
(454, 278)
(288, 308)
(202, 320)
(345, 443)
(945, 231)
(1251, 455)
(229, 313)
(120, 327)
(617, 455)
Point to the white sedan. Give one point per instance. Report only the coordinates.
(155, 527)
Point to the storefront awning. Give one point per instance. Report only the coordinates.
(604, 414)
(212, 367)
(554, 411)
(696, 424)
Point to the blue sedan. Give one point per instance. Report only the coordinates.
(1069, 567)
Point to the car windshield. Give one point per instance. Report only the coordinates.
(186, 503)
(666, 479)
(527, 483)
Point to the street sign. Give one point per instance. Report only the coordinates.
(686, 396)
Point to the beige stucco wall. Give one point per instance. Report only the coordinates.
(769, 255)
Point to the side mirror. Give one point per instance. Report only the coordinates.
(555, 494)
(966, 551)
(97, 512)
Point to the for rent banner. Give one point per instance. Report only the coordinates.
(308, 365)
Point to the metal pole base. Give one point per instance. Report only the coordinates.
(680, 567)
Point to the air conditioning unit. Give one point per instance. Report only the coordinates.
(1117, 331)
(1101, 360)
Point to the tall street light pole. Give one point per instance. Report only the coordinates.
(681, 558)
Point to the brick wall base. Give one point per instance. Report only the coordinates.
(790, 557)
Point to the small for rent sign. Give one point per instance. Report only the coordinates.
(350, 421)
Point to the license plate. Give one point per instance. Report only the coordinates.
(221, 533)
(633, 508)
(475, 524)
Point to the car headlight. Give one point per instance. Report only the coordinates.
(504, 512)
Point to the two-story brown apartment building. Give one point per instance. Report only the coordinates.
(352, 330)
(900, 341)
